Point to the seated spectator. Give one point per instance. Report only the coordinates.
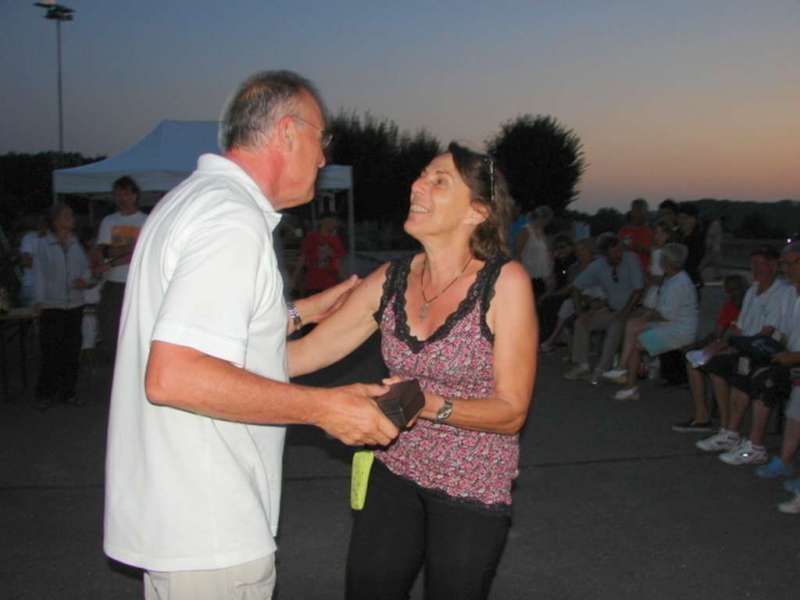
(767, 385)
(561, 287)
(532, 251)
(636, 234)
(618, 273)
(782, 465)
(590, 299)
(735, 287)
(762, 310)
(671, 324)
(791, 440)
(663, 233)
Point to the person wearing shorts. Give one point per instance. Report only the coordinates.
(670, 325)
(762, 311)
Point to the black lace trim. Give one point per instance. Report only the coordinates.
(396, 283)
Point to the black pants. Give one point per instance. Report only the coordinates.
(110, 310)
(60, 343)
(403, 526)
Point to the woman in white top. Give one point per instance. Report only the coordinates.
(60, 273)
(533, 252)
(672, 323)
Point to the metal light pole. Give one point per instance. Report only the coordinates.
(58, 13)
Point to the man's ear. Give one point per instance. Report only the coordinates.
(477, 214)
(285, 132)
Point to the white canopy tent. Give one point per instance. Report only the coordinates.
(167, 155)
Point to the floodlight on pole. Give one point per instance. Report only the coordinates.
(58, 13)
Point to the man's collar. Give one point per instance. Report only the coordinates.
(216, 163)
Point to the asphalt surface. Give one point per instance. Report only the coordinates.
(609, 504)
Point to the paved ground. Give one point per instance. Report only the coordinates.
(610, 504)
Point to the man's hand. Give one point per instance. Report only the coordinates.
(351, 415)
(786, 359)
(315, 308)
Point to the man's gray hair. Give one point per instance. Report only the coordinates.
(791, 248)
(263, 98)
(675, 254)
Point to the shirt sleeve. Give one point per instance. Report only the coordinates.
(588, 277)
(104, 233)
(785, 323)
(776, 307)
(212, 291)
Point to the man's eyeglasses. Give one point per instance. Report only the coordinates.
(325, 136)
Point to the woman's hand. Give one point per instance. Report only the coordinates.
(320, 306)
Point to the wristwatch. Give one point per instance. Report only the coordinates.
(294, 315)
(444, 412)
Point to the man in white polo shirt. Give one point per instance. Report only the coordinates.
(195, 442)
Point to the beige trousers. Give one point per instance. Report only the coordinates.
(249, 581)
(600, 320)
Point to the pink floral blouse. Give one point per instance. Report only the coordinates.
(456, 361)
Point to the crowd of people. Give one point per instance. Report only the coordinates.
(74, 281)
(201, 385)
(634, 295)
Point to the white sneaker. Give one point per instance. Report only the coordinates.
(578, 372)
(631, 393)
(720, 441)
(791, 507)
(745, 454)
(618, 376)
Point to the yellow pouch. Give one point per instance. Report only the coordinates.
(359, 480)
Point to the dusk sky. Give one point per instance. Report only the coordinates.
(682, 99)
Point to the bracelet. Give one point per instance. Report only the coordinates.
(294, 315)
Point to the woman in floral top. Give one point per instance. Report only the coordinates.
(459, 318)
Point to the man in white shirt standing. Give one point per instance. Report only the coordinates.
(195, 443)
(116, 240)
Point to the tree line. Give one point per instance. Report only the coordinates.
(542, 158)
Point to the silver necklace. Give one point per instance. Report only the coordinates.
(426, 302)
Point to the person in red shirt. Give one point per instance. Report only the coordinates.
(735, 288)
(321, 254)
(637, 235)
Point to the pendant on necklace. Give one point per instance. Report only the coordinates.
(423, 311)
